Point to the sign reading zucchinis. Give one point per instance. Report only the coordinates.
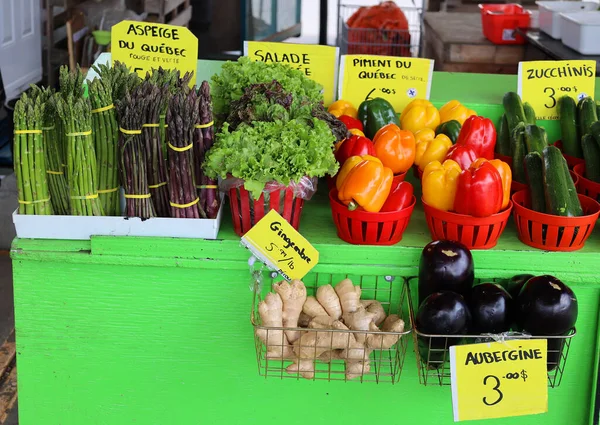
(399, 80)
(543, 83)
(144, 46)
(319, 63)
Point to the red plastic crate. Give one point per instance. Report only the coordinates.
(499, 22)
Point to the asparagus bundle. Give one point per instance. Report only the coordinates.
(203, 141)
(82, 175)
(182, 115)
(119, 78)
(133, 156)
(106, 139)
(71, 84)
(57, 183)
(30, 164)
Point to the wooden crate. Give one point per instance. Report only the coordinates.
(8, 377)
(173, 12)
(456, 42)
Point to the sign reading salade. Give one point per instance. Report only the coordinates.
(277, 244)
(319, 63)
(399, 80)
(499, 379)
(543, 83)
(144, 46)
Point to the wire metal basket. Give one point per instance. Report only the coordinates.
(380, 365)
(433, 351)
(385, 42)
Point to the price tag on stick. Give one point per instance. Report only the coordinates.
(277, 244)
(399, 80)
(499, 379)
(543, 83)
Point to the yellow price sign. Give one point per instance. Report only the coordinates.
(499, 379)
(399, 80)
(144, 46)
(543, 83)
(277, 244)
(319, 63)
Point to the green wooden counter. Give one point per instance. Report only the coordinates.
(122, 330)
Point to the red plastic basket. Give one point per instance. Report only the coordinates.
(499, 22)
(365, 228)
(474, 232)
(246, 212)
(572, 161)
(551, 232)
(586, 186)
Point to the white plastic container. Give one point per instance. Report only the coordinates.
(550, 20)
(581, 32)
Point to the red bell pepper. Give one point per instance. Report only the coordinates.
(354, 146)
(479, 134)
(479, 191)
(351, 122)
(463, 155)
(399, 198)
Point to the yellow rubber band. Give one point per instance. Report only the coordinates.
(154, 125)
(58, 173)
(146, 196)
(104, 108)
(207, 186)
(114, 189)
(156, 186)
(205, 125)
(48, 128)
(176, 149)
(28, 131)
(130, 132)
(94, 196)
(194, 202)
(79, 133)
(33, 202)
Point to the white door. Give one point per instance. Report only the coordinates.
(20, 45)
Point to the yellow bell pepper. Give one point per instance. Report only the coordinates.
(425, 134)
(432, 150)
(419, 114)
(439, 184)
(454, 110)
(342, 107)
(356, 132)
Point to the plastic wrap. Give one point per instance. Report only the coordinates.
(304, 189)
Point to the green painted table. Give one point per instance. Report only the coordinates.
(120, 330)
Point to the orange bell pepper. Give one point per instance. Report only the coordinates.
(395, 148)
(418, 114)
(439, 184)
(454, 110)
(364, 181)
(505, 174)
(342, 107)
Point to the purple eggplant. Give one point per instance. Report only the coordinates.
(491, 307)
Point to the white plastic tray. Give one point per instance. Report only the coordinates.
(581, 31)
(549, 14)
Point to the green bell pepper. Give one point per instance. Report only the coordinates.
(449, 128)
(376, 113)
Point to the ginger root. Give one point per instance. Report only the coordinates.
(359, 321)
(374, 306)
(271, 315)
(329, 300)
(313, 308)
(293, 296)
(349, 296)
(304, 320)
(392, 323)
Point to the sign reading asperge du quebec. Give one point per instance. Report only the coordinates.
(399, 80)
(499, 379)
(277, 244)
(319, 63)
(144, 46)
(543, 83)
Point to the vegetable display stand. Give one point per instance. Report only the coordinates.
(246, 211)
(571, 160)
(325, 357)
(365, 228)
(551, 232)
(586, 186)
(433, 351)
(473, 232)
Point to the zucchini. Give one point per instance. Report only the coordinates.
(503, 138)
(559, 189)
(534, 165)
(598, 108)
(567, 110)
(518, 152)
(586, 113)
(513, 109)
(535, 139)
(595, 131)
(529, 114)
(591, 154)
